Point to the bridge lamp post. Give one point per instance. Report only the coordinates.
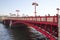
(35, 4)
(58, 23)
(58, 11)
(17, 12)
(10, 14)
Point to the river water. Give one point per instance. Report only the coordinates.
(7, 33)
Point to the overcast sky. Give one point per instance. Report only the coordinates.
(25, 6)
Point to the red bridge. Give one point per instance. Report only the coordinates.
(47, 25)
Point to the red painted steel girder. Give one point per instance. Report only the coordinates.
(38, 29)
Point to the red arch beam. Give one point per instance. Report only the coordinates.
(38, 29)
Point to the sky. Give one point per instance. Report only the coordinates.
(25, 7)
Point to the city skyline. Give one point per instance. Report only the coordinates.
(44, 7)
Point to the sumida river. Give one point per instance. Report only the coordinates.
(7, 33)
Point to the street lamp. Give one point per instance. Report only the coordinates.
(17, 12)
(58, 11)
(58, 23)
(10, 14)
(35, 4)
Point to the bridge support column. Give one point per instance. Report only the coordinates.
(58, 28)
(3, 22)
(10, 23)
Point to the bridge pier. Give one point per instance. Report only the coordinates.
(3, 22)
(6, 22)
(10, 23)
